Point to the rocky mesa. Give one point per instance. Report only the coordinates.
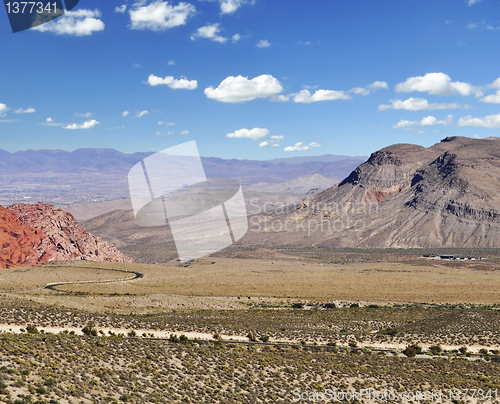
(32, 234)
(404, 196)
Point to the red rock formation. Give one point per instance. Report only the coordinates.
(20, 244)
(67, 239)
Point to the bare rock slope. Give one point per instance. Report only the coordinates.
(62, 238)
(20, 244)
(447, 195)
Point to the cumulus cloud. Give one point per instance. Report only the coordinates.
(160, 15)
(81, 22)
(235, 38)
(254, 134)
(304, 96)
(427, 121)
(183, 132)
(209, 31)
(472, 2)
(182, 83)
(490, 121)
(164, 134)
(49, 120)
(230, 6)
(240, 89)
(121, 9)
(299, 146)
(280, 98)
(437, 84)
(85, 125)
(263, 43)
(171, 63)
(3, 109)
(166, 123)
(492, 98)
(125, 113)
(417, 104)
(141, 114)
(273, 141)
(24, 111)
(376, 85)
(84, 115)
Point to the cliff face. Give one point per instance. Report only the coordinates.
(447, 195)
(31, 234)
(20, 244)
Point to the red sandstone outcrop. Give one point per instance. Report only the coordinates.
(20, 244)
(66, 239)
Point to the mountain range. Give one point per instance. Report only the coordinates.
(447, 195)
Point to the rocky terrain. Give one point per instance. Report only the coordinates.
(20, 244)
(32, 234)
(404, 196)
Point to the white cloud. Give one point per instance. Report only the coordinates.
(254, 134)
(81, 22)
(437, 84)
(304, 96)
(359, 91)
(183, 132)
(492, 98)
(272, 141)
(136, 65)
(230, 6)
(3, 109)
(427, 121)
(171, 63)
(476, 136)
(182, 83)
(368, 89)
(121, 9)
(235, 38)
(263, 43)
(25, 111)
(85, 125)
(166, 123)
(160, 15)
(377, 85)
(490, 121)
(280, 98)
(209, 31)
(50, 122)
(9, 120)
(164, 134)
(125, 113)
(493, 28)
(416, 104)
(141, 114)
(471, 25)
(240, 89)
(85, 115)
(302, 147)
(471, 2)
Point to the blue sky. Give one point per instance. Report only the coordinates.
(252, 79)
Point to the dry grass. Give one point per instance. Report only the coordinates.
(277, 279)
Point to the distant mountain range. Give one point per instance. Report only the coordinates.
(110, 161)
